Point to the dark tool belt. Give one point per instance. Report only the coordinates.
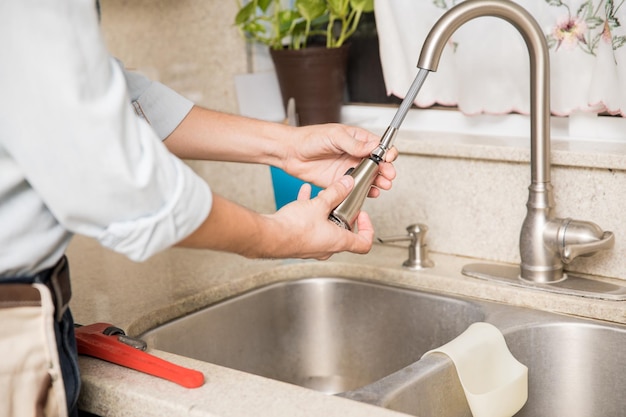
(57, 279)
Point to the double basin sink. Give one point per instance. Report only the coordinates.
(365, 341)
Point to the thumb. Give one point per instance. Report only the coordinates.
(305, 192)
(337, 192)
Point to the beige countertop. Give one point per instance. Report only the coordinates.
(137, 297)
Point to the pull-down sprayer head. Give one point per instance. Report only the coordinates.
(345, 214)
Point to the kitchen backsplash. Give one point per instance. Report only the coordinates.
(472, 197)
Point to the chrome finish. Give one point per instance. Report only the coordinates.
(327, 334)
(543, 252)
(386, 142)
(346, 212)
(366, 341)
(580, 238)
(364, 174)
(418, 249)
(572, 284)
(574, 369)
(133, 342)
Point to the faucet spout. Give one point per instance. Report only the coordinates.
(542, 258)
(539, 66)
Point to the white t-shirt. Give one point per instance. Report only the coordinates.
(74, 155)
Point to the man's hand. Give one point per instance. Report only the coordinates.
(321, 154)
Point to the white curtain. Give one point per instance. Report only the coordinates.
(485, 67)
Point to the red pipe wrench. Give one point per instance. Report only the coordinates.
(102, 341)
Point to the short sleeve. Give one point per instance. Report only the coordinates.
(163, 108)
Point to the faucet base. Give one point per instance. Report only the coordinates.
(580, 285)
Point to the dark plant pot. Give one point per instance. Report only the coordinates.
(365, 74)
(316, 78)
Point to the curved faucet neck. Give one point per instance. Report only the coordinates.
(539, 67)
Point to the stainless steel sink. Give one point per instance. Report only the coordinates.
(364, 341)
(575, 369)
(328, 334)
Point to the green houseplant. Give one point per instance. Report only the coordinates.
(280, 24)
(307, 42)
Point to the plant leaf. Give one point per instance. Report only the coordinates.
(288, 19)
(245, 13)
(339, 8)
(311, 9)
(362, 5)
(263, 4)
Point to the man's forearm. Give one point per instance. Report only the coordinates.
(298, 230)
(230, 228)
(211, 135)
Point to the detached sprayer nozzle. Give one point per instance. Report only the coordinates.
(345, 214)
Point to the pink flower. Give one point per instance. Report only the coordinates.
(606, 33)
(569, 31)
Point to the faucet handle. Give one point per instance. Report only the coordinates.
(582, 238)
(418, 250)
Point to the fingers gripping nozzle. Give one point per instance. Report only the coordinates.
(345, 214)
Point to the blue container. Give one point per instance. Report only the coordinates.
(286, 187)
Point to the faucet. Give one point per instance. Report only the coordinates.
(546, 242)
